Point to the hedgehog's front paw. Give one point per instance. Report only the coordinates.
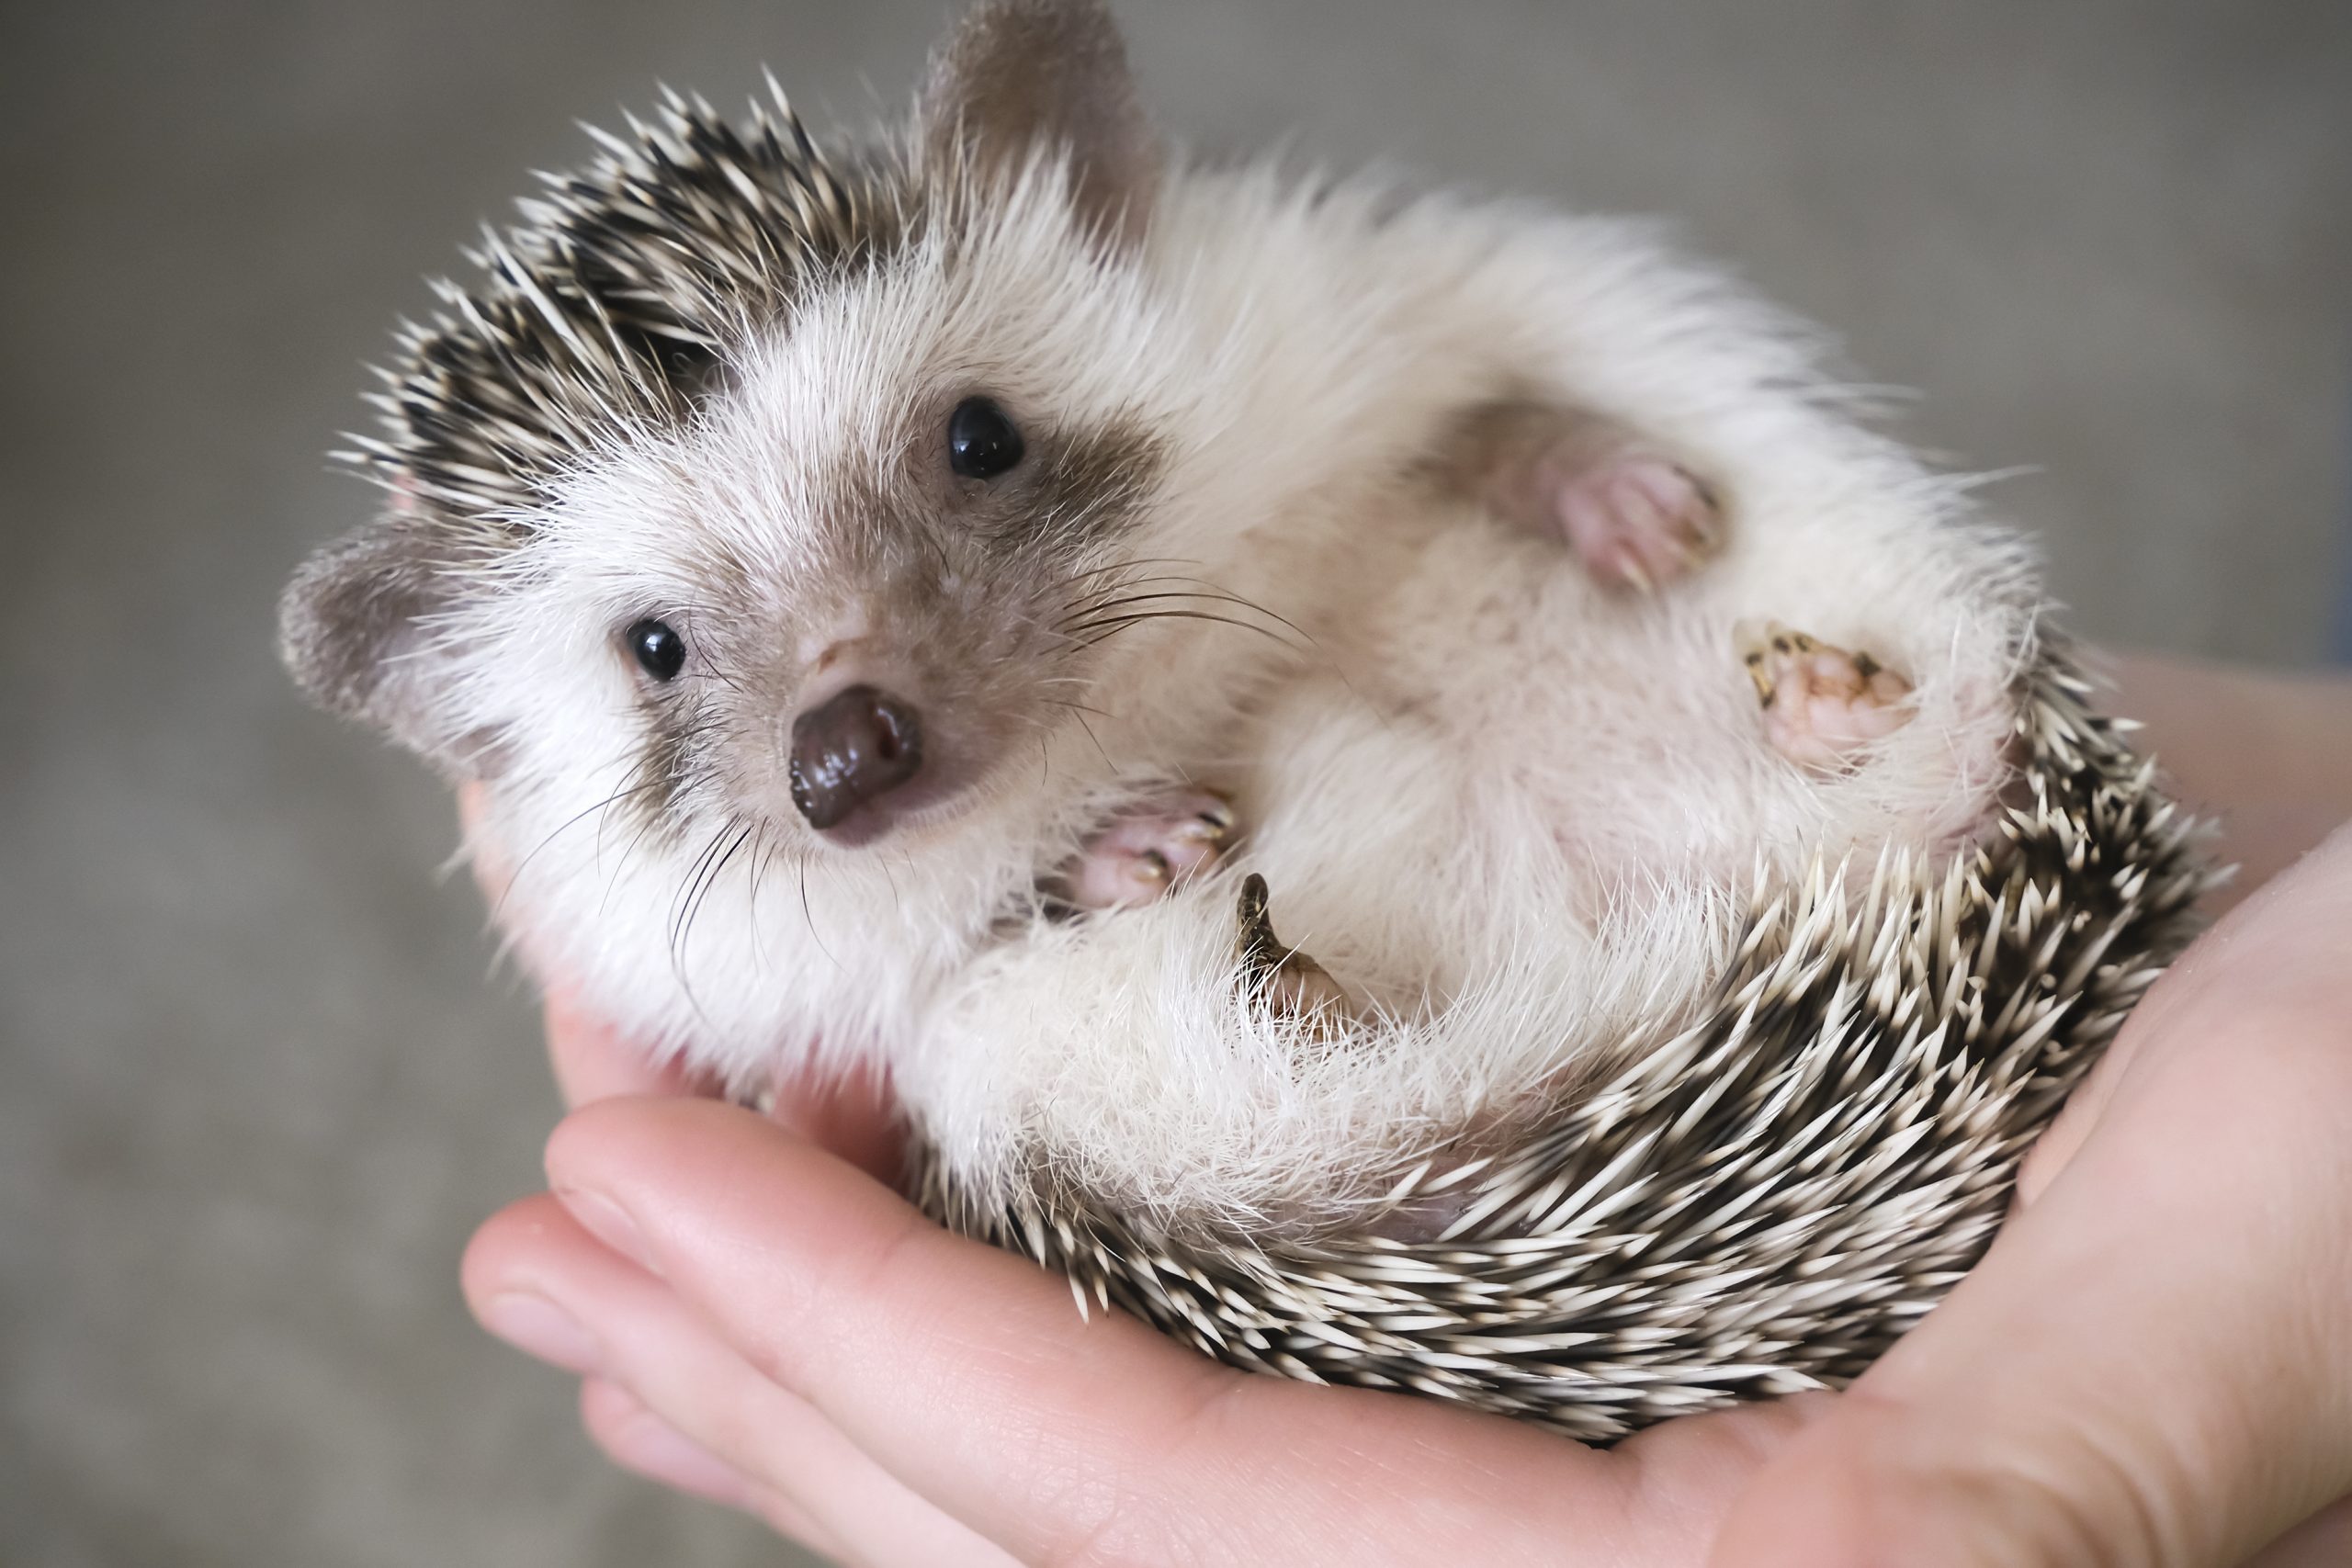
(1634, 517)
(1146, 852)
(1821, 703)
(1286, 979)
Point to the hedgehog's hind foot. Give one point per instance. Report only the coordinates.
(1823, 706)
(1287, 980)
(1634, 517)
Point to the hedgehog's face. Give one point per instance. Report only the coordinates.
(832, 650)
(821, 543)
(861, 590)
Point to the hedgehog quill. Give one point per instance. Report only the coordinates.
(943, 604)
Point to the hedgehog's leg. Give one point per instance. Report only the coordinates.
(1822, 704)
(1286, 979)
(1146, 852)
(1635, 515)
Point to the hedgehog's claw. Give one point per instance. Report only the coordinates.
(1634, 517)
(1287, 980)
(1823, 706)
(1154, 848)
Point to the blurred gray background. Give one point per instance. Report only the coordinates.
(257, 1089)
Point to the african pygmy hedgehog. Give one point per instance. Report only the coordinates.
(945, 604)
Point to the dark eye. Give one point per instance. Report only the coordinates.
(661, 651)
(981, 443)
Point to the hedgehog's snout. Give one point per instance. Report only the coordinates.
(850, 750)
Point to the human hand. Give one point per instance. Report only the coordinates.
(2151, 1365)
(760, 1321)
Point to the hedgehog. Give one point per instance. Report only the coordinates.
(939, 605)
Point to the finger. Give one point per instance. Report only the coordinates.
(626, 1327)
(851, 1116)
(2324, 1540)
(2151, 1364)
(636, 1439)
(593, 1061)
(2267, 754)
(967, 1374)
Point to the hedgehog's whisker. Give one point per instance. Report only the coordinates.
(1211, 593)
(560, 830)
(701, 877)
(1109, 626)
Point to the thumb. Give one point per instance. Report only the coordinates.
(2151, 1365)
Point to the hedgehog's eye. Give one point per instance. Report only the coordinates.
(661, 652)
(981, 442)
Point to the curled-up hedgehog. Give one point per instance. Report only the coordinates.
(1398, 783)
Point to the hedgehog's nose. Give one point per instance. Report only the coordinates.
(852, 749)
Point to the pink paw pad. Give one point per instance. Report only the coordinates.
(1152, 849)
(1635, 518)
(1822, 704)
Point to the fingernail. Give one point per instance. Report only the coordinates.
(608, 1222)
(537, 1326)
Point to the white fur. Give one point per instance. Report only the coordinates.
(1518, 812)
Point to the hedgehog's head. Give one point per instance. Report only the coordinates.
(757, 486)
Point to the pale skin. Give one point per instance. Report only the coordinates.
(2154, 1364)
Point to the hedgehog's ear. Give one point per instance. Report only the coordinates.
(351, 630)
(1018, 73)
